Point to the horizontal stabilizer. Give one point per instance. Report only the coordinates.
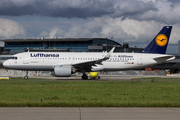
(165, 58)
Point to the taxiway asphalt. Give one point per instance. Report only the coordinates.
(44, 113)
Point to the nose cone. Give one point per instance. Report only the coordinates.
(6, 64)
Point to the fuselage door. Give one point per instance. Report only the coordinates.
(26, 58)
(139, 60)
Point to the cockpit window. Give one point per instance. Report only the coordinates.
(14, 58)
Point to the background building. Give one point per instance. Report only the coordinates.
(13, 46)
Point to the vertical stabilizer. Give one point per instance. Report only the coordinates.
(160, 42)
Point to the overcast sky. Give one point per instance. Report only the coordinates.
(133, 21)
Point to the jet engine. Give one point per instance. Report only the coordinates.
(62, 71)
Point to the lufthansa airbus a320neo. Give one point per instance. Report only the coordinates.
(64, 64)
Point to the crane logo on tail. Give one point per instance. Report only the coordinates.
(161, 40)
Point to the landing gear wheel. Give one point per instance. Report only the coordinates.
(84, 77)
(98, 77)
(25, 77)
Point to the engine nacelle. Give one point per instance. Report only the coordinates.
(62, 71)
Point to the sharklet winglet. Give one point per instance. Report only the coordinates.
(109, 54)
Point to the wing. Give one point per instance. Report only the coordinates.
(89, 64)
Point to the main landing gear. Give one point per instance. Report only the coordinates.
(84, 77)
(98, 77)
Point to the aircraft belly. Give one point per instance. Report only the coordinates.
(33, 67)
(118, 66)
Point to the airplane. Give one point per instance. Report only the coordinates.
(64, 64)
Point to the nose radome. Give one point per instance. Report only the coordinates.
(5, 64)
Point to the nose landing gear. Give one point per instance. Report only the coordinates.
(26, 77)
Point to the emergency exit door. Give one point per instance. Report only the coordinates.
(139, 60)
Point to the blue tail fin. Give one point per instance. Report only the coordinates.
(159, 43)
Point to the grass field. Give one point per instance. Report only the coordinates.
(14, 93)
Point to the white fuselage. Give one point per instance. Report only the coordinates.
(118, 61)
